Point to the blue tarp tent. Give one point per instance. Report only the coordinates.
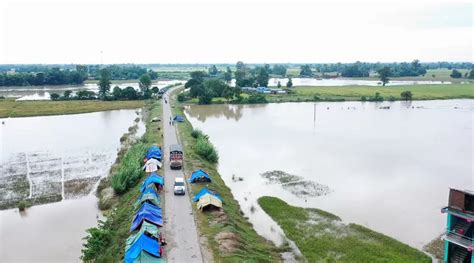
(203, 192)
(154, 152)
(150, 213)
(154, 178)
(199, 176)
(143, 243)
(150, 191)
(178, 118)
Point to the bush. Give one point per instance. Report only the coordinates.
(130, 170)
(205, 149)
(23, 204)
(54, 96)
(196, 133)
(181, 97)
(257, 98)
(97, 240)
(406, 95)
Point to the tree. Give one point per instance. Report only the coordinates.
(67, 94)
(117, 92)
(262, 77)
(279, 85)
(54, 96)
(206, 96)
(228, 93)
(129, 93)
(406, 95)
(104, 83)
(471, 74)
(155, 90)
(455, 74)
(279, 70)
(228, 75)
(306, 71)
(384, 73)
(240, 74)
(289, 84)
(213, 70)
(145, 84)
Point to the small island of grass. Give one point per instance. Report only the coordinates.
(323, 237)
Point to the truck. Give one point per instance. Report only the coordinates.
(176, 156)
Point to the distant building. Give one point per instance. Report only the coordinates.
(459, 236)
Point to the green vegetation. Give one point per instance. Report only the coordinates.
(322, 237)
(247, 246)
(204, 147)
(12, 108)
(350, 93)
(23, 204)
(130, 169)
(106, 242)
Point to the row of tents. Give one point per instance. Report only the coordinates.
(205, 198)
(145, 243)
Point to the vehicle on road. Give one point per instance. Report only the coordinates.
(176, 156)
(179, 187)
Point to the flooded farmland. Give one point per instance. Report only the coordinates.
(387, 166)
(50, 159)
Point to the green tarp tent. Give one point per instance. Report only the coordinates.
(147, 197)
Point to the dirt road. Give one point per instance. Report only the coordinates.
(180, 227)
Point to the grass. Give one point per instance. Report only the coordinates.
(12, 108)
(354, 93)
(106, 243)
(251, 246)
(322, 237)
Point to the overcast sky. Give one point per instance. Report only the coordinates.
(224, 32)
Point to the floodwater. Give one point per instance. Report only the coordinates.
(273, 82)
(55, 158)
(387, 169)
(44, 92)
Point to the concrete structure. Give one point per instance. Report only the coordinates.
(459, 236)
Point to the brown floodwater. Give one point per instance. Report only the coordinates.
(388, 169)
(62, 157)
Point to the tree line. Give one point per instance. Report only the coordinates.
(37, 75)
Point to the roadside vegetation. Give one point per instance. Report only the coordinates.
(322, 237)
(119, 191)
(229, 235)
(12, 108)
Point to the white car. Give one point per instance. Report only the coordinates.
(179, 187)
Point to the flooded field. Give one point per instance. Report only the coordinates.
(387, 166)
(345, 82)
(50, 159)
(44, 92)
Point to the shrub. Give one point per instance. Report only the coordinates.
(406, 95)
(23, 204)
(181, 97)
(54, 96)
(130, 170)
(97, 240)
(196, 133)
(257, 98)
(205, 149)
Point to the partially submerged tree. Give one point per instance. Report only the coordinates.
(145, 84)
(384, 73)
(406, 95)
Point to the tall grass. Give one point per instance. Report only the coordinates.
(130, 169)
(204, 147)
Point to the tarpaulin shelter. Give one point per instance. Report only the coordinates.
(199, 176)
(149, 213)
(208, 200)
(154, 152)
(146, 229)
(152, 165)
(203, 192)
(144, 244)
(149, 196)
(154, 179)
(178, 118)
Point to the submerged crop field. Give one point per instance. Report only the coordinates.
(323, 237)
(42, 177)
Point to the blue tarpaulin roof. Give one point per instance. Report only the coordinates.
(203, 192)
(152, 179)
(178, 118)
(150, 213)
(143, 243)
(154, 152)
(199, 175)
